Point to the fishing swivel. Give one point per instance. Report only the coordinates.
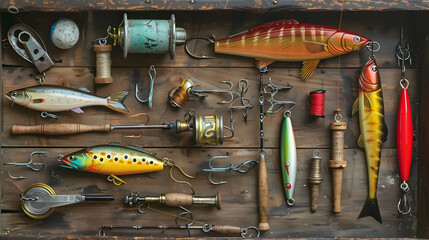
(33, 166)
(209, 38)
(152, 75)
(241, 168)
(179, 95)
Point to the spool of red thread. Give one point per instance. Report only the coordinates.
(317, 103)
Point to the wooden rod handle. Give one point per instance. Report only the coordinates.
(314, 196)
(226, 229)
(337, 163)
(59, 129)
(263, 194)
(176, 199)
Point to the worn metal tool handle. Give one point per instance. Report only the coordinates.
(263, 194)
(99, 197)
(59, 129)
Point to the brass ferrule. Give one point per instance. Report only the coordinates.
(182, 126)
(213, 200)
(153, 199)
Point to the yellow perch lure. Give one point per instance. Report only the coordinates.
(373, 131)
(113, 160)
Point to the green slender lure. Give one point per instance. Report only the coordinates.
(288, 159)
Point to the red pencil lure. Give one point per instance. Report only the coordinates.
(404, 143)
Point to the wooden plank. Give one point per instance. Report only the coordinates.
(222, 24)
(239, 206)
(423, 196)
(254, 5)
(167, 78)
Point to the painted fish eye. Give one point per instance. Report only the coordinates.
(14, 94)
(374, 68)
(71, 157)
(356, 39)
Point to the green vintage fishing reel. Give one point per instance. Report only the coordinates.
(148, 36)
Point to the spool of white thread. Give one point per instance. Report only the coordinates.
(103, 63)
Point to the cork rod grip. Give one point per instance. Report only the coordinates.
(176, 199)
(226, 229)
(337, 163)
(59, 129)
(263, 194)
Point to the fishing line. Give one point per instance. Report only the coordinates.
(103, 63)
(170, 214)
(317, 103)
(339, 57)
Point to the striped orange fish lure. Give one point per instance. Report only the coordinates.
(288, 40)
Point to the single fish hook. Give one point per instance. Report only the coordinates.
(151, 71)
(33, 166)
(404, 206)
(198, 92)
(209, 38)
(241, 168)
(141, 131)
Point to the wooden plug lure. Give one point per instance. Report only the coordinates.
(288, 158)
(373, 131)
(114, 160)
(51, 98)
(287, 40)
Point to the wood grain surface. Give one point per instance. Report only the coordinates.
(239, 196)
(254, 5)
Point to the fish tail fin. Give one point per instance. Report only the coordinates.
(371, 209)
(115, 101)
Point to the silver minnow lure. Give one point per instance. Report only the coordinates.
(56, 99)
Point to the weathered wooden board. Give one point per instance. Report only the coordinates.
(93, 25)
(423, 194)
(167, 78)
(254, 5)
(239, 205)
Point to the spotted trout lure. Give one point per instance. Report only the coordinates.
(288, 159)
(52, 98)
(114, 160)
(373, 131)
(288, 40)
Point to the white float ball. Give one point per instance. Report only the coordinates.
(64, 33)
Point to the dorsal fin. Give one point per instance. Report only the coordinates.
(274, 23)
(141, 149)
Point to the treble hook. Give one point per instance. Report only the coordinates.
(197, 92)
(30, 165)
(404, 206)
(152, 79)
(241, 168)
(208, 38)
(246, 103)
